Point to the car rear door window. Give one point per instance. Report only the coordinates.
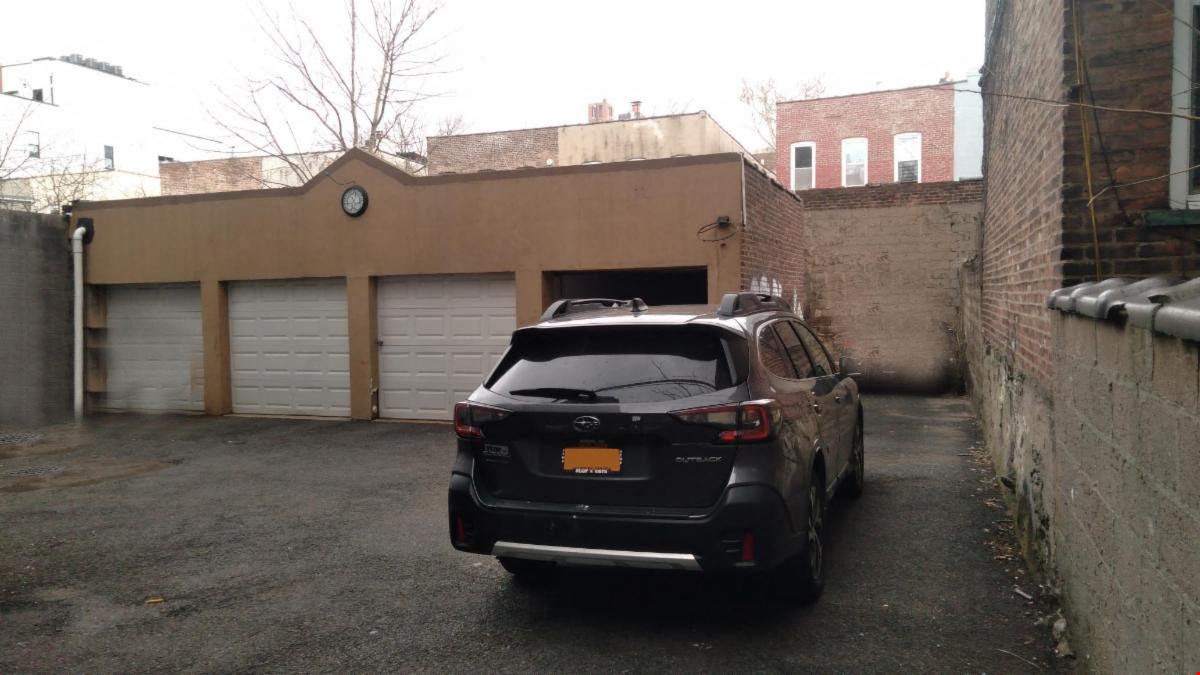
(773, 355)
(822, 365)
(620, 364)
(795, 350)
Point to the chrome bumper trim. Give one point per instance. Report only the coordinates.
(596, 556)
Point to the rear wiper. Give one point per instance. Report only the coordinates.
(667, 380)
(557, 393)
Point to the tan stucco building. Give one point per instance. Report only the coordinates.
(278, 302)
(623, 140)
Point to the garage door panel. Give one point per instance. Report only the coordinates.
(440, 336)
(154, 359)
(290, 351)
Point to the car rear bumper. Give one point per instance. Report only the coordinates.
(597, 557)
(713, 540)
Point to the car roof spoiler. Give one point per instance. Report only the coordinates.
(572, 306)
(741, 304)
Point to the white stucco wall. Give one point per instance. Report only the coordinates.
(968, 130)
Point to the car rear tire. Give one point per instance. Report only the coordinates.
(802, 578)
(852, 487)
(528, 571)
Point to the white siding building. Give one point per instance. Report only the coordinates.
(75, 128)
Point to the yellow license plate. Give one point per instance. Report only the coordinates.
(591, 460)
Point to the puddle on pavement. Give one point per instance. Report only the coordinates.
(72, 473)
(47, 441)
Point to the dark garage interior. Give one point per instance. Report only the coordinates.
(678, 286)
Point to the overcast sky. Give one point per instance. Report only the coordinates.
(519, 63)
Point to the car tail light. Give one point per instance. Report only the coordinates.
(737, 423)
(469, 418)
(464, 531)
(748, 546)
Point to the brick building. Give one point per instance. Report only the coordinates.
(902, 135)
(1094, 424)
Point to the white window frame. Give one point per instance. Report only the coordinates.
(35, 144)
(1180, 194)
(792, 162)
(896, 154)
(866, 160)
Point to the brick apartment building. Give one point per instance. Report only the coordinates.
(1094, 421)
(919, 134)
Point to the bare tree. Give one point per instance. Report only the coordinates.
(451, 125)
(761, 98)
(62, 180)
(13, 154)
(358, 89)
(37, 176)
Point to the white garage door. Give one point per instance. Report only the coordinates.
(154, 358)
(440, 335)
(289, 349)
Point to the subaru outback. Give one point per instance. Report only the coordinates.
(676, 437)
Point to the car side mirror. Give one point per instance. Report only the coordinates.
(847, 367)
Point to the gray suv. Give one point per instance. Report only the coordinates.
(679, 437)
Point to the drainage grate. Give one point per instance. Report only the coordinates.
(18, 439)
(31, 471)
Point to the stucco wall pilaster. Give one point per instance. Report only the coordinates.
(362, 319)
(214, 316)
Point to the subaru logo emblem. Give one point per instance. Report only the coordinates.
(586, 423)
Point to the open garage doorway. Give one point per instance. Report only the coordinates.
(674, 286)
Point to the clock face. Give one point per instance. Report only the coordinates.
(354, 201)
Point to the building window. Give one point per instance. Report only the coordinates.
(1185, 133)
(907, 158)
(854, 162)
(37, 94)
(109, 165)
(804, 162)
(35, 144)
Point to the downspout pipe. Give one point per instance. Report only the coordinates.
(77, 260)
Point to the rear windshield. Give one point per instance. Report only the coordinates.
(627, 364)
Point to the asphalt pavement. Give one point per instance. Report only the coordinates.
(185, 543)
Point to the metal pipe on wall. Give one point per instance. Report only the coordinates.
(77, 263)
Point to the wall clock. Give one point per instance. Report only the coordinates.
(354, 201)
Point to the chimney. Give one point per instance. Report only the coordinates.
(599, 112)
(635, 109)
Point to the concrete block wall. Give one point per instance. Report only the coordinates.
(36, 334)
(1069, 407)
(882, 278)
(1124, 473)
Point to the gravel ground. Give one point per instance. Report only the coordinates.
(247, 544)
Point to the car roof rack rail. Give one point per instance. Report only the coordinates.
(741, 304)
(571, 306)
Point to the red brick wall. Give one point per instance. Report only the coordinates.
(894, 194)
(772, 253)
(496, 151)
(878, 117)
(212, 175)
(1023, 169)
(1128, 52)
